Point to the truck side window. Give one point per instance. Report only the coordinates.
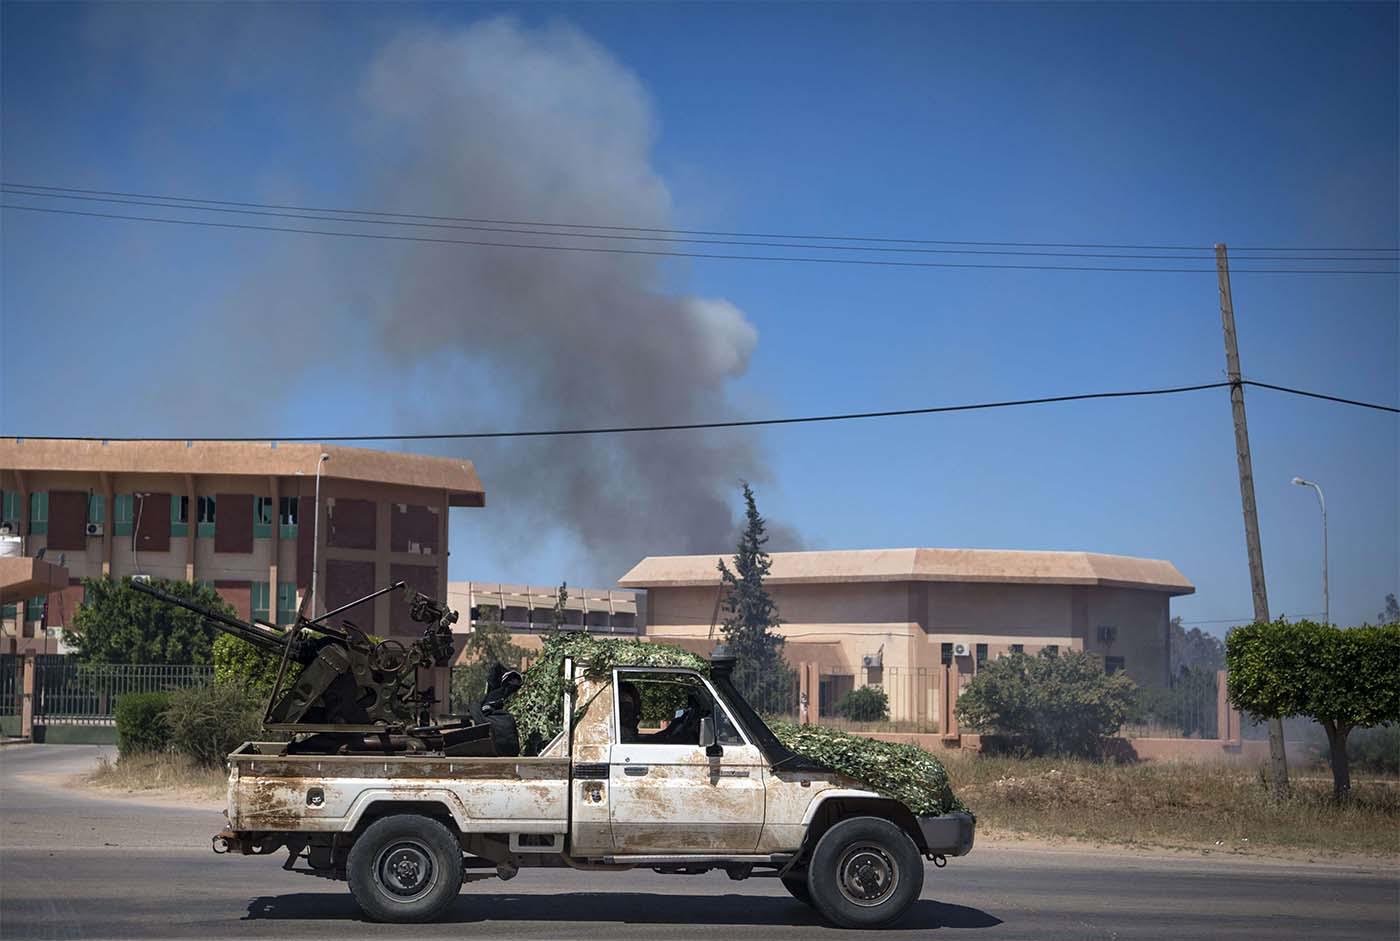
(668, 710)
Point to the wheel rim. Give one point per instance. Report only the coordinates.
(867, 875)
(405, 870)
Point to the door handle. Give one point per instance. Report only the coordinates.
(635, 771)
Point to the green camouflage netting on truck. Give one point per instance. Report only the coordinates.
(904, 772)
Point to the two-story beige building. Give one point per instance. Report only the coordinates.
(240, 516)
(909, 619)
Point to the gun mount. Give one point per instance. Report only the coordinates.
(346, 691)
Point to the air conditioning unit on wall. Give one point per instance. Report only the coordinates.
(961, 649)
(94, 529)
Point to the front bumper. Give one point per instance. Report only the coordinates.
(948, 834)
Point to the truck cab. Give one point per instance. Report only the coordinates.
(664, 768)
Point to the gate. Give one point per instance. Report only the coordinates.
(70, 693)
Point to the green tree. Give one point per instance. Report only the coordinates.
(1052, 703)
(1342, 679)
(489, 642)
(1390, 614)
(760, 672)
(1195, 649)
(117, 624)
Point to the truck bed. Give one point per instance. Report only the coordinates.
(270, 791)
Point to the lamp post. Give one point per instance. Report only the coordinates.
(1322, 502)
(316, 530)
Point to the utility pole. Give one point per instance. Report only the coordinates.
(1278, 765)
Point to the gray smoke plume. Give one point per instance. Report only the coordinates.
(499, 122)
(493, 121)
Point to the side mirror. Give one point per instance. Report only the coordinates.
(707, 738)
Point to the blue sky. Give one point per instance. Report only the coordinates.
(1256, 125)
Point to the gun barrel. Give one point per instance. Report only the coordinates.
(252, 633)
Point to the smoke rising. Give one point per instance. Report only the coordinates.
(499, 121)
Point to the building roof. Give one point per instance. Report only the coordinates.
(22, 577)
(254, 458)
(1000, 566)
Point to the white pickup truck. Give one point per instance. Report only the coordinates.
(712, 790)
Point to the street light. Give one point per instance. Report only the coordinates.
(1322, 502)
(316, 531)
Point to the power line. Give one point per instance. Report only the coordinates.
(514, 229)
(671, 231)
(880, 262)
(689, 426)
(1320, 395)
(737, 423)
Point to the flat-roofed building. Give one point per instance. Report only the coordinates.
(527, 611)
(908, 619)
(238, 515)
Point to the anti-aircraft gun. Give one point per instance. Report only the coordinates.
(340, 690)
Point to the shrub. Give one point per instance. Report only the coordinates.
(208, 722)
(867, 704)
(238, 662)
(141, 724)
(1051, 704)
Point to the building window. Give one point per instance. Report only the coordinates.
(9, 508)
(262, 517)
(39, 513)
(204, 506)
(179, 515)
(1112, 665)
(286, 602)
(287, 516)
(981, 655)
(8, 611)
(1018, 648)
(97, 508)
(1052, 649)
(34, 609)
(123, 514)
(947, 654)
(259, 595)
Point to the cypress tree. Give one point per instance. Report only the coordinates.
(750, 616)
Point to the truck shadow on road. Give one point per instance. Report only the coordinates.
(626, 907)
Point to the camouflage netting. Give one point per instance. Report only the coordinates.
(904, 772)
(539, 705)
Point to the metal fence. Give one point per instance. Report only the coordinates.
(10, 679)
(68, 692)
(1189, 708)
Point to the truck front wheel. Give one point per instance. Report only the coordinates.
(797, 887)
(864, 873)
(405, 868)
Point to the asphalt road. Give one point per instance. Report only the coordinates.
(72, 866)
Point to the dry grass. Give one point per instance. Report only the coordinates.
(1176, 805)
(159, 775)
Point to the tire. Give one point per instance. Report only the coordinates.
(864, 873)
(405, 868)
(797, 888)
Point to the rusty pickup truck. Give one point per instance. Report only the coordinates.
(712, 789)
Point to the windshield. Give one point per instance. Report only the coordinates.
(778, 754)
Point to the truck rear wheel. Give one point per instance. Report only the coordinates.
(864, 873)
(405, 868)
